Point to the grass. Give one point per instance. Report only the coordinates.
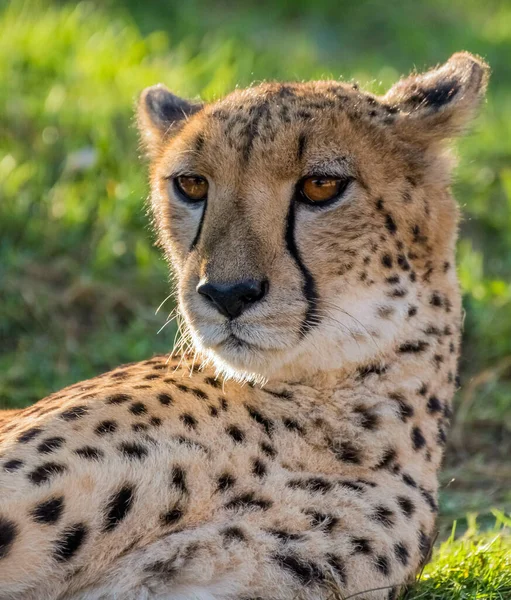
(79, 277)
(474, 567)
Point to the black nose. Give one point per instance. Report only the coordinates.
(231, 299)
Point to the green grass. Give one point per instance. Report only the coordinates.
(80, 279)
(474, 567)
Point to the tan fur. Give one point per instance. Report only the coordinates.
(293, 463)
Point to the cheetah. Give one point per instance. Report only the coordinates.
(294, 454)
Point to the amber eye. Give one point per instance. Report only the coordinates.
(193, 187)
(321, 190)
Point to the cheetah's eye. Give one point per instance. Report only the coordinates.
(192, 188)
(321, 191)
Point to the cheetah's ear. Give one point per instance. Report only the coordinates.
(158, 113)
(441, 103)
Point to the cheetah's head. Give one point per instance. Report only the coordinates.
(303, 221)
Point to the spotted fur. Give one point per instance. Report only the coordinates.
(298, 456)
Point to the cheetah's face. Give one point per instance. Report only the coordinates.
(290, 213)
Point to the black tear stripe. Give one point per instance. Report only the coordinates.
(199, 229)
(309, 285)
(302, 141)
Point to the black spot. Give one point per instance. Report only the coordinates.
(8, 532)
(213, 411)
(418, 439)
(442, 436)
(432, 330)
(248, 501)
(199, 394)
(382, 564)
(165, 399)
(13, 465)
(383, 515)
(434, 405)
(389, 456)
(406, 505)
(259, 468)
(401, 552)
(179, 479)
(412, 311)
(293, 425)
(285, 536)
(305, 571)
(183, 388)
(45, 472)
(213, 382)
(394, 279)
(70, 541)
(284, 395)
(352, 485)
(259, 418)
(89, 453)
(155, 421)
(409, 480)
(29, 434)
(118, 507)
(172, 516)
(268, 450)
(234, 533)
(436, 300)
(368, 419)
(133, 450)
(152, 376)
(347, 452)
(393, 593)
(338, 566)
(361, 546)
(413, 347)
(405, 410)
(106, 427)
(367, 370)
(322, 520)
(311, 484)
(386, 261)
(74, 413)
(379, 204)
(424, 546)
(49, 512)
(398, 293)
(403, 262)
(225, 482)
(390, 224)
(118, 399)
(190, 443)
(428, 497)
(235, 433)
(138, 408)
(439, 359)
(189, 421)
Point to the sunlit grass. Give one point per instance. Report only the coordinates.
(475, 566)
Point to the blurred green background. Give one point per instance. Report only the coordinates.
(79, 277)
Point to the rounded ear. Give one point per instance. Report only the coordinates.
(440, 103)
(158, 113)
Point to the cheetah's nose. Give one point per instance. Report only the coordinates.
(231, 299)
